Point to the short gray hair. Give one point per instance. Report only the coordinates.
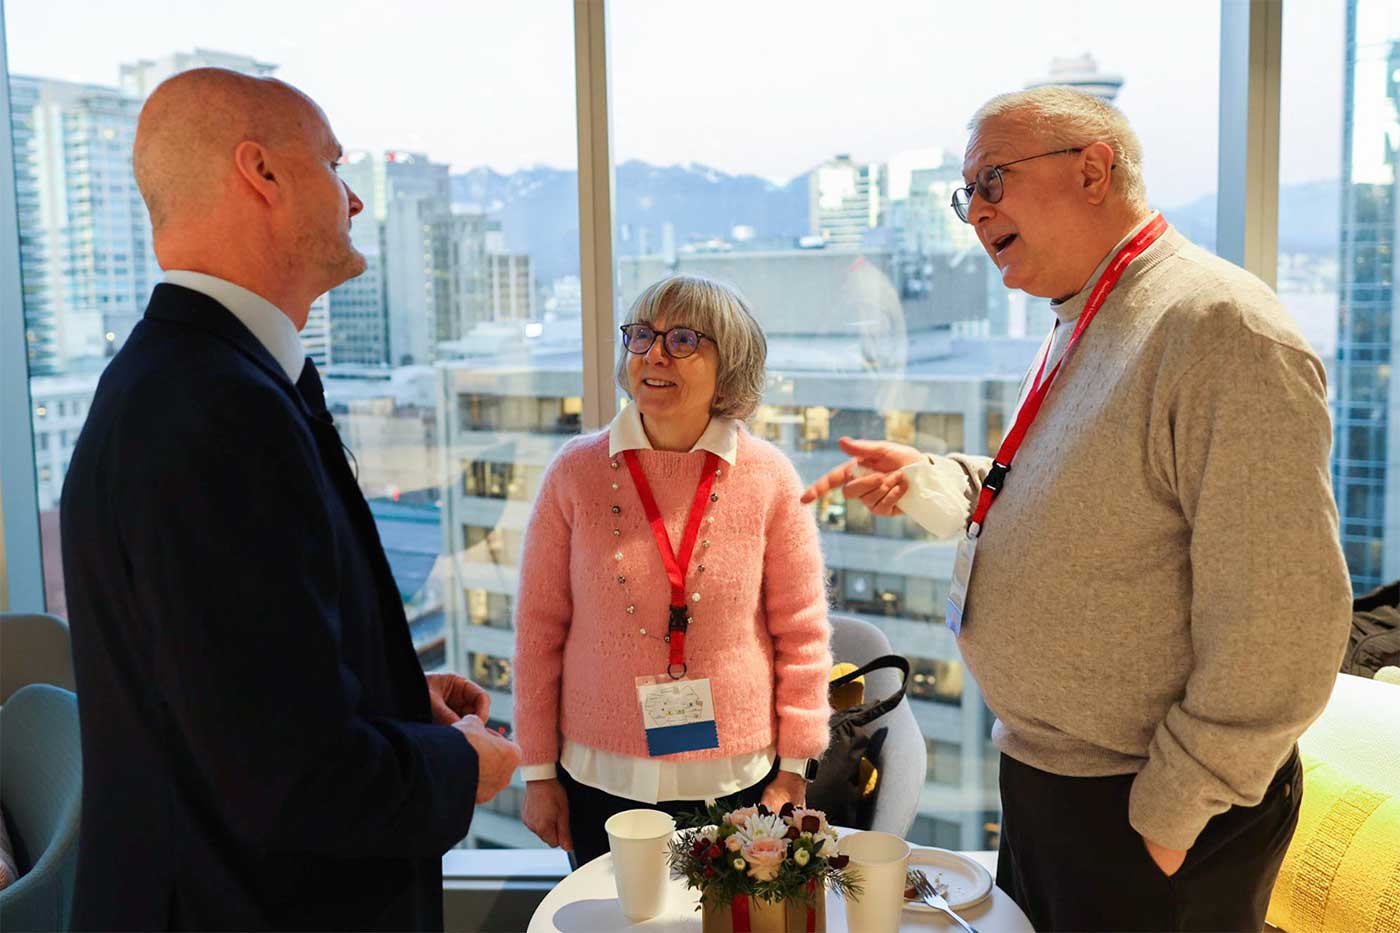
(722, 314)
(1063, 116)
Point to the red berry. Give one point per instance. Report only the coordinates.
(713, 853)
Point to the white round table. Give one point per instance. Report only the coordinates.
(587, 901)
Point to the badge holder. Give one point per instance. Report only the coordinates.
(678, 709)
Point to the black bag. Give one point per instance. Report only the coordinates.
(1375, 632)
(838, 788)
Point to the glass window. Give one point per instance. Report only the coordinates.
(1340, 90)
(884, 317)
(452, 365)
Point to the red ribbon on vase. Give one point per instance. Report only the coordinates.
(739, 911)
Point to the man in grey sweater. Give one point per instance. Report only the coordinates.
(1157, 603)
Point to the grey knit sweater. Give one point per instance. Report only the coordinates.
(1160, 588)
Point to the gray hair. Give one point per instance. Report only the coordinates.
(722, 314)
(1065, 117)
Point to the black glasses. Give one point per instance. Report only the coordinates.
(989, 183)
(678, 342)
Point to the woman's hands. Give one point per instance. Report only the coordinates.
(546, 813)
(785, 787)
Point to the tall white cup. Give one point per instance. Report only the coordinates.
(638, 840)
(881, 860)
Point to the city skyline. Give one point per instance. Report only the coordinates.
(888, 93)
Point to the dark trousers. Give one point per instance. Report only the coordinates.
(589, 809)
(1071, 860)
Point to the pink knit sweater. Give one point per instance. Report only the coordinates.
(760, 630)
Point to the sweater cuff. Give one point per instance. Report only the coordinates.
(544, 772)
(1162, 809)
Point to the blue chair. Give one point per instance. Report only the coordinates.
(904, 759)
(41, 792)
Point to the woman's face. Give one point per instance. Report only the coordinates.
(665, 388)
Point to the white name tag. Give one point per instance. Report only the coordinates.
(678, 715)
(957, 589)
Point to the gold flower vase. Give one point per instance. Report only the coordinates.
(757, 916)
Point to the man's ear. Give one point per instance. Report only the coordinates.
(254, 166)
(1097, 171)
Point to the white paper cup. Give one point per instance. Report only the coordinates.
(638, 840)
(881, 860)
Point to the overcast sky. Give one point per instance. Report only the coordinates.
(769, 87)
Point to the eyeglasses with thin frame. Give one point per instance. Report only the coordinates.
(678, 342)
(990, 184)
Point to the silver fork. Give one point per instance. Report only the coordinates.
(924, 888)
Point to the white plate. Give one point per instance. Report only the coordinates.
(968, 883)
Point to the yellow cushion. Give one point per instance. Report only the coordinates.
(1342, 870)
(848, 694)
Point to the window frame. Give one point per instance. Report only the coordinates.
(21, 554)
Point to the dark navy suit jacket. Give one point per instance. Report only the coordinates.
(257, 742)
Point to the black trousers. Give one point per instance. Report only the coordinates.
(1071, 860)
(589, 809)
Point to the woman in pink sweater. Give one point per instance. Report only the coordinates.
(599, 607)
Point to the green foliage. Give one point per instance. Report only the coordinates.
(711, 868)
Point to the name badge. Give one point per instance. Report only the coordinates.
(678, 715)
(957, 589)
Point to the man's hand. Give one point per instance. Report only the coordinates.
(546, 813)
(453, 696)
(1169, 860)
(496, 757)
(879, 489)
(785, 787)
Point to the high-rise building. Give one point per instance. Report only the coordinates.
(502, 416)
(1364, 449)
(84, 230)
(316, 335)
(86, 258)
(941, 270)
(1082, 73)
(139, 78)
(461, 263)
(845, 199)
(426, 263)
(511, 295)
(39, 328)
(358, 328)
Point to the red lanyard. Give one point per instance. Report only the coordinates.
(676, 564)
(1001, 464)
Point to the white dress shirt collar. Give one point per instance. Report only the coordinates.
(721, 435)
(274, 330)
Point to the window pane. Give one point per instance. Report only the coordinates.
(809, 160)
(452, 365)
(1337, 236)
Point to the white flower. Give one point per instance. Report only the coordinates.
(801, 856)
(759, 826)
(709, 833)
(740, 864)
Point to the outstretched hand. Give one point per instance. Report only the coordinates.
(872, 475)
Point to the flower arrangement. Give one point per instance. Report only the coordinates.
(753, 854)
